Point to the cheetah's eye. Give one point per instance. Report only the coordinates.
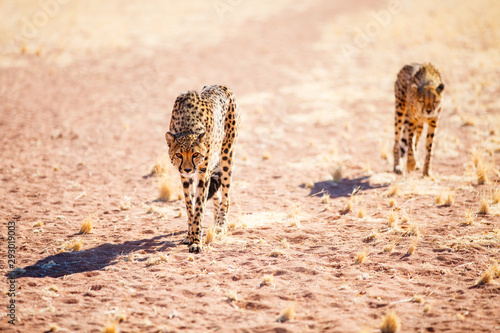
(195, 155)
(178, 155)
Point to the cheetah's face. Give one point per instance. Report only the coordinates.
(186, 152)
(428, 99)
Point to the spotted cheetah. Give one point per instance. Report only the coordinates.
(201, 138)
(418, 91)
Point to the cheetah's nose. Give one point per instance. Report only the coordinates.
(429, 111)
(187, 170)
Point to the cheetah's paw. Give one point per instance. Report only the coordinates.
(196, 247)
(220, 230)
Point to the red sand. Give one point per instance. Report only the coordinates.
(78, 138)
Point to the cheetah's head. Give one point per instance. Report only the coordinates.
(187, 151)
(428, 99)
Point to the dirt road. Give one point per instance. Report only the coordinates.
(86, 92)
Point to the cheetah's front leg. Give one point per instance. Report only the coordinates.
(409, 136)
(418, 133)
(187, 185)
(199, 209)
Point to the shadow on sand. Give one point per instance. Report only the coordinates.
(66, 263)
(343, 188)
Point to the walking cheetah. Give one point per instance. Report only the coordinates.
(418, 91)
(201, 138)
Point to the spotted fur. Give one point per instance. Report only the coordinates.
(418, 91)
(203, 131)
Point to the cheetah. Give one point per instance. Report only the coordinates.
(203, 131)
(418, 91)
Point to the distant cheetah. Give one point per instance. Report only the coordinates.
(418, 91)
(203, 131)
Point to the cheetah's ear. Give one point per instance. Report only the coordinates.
(440, 88)
(170, 138)
(201, 136)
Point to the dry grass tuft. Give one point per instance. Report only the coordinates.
(361, 256)
(496, 196)
(469, 216)
(325, 198)
(337, 173)
(484, 206)
(295, 223)
(352, 200)
(285, 243)
(110, 328)
(417, 299)
(162, 165)
(428, 307)
(412, 230)
(446, 199)
(276, 253)
(405, 218)
(449, 199)
(468, 119)
(482, 167)
(390, 247)
(120, 318)
(209, 237)
(309, 184)
(294, 211)
(491, 273)
(287, 314)
(72, 245)
(231, 295)
(439, 199)
(392, 219)
(236, 223)
(393, 190)
(361, 212)
(88, 224)
(412, 247)
(482, 173)
(384, 151)
(348, 207)
(295, 215)
(53, 328)
(267, 280)
(38, 224)
(371, 237)
(154, 209)
(266, 156)
(156, 260)
(125, 204)
(53, 288)
(390, 323)
(392, 203)
(130, 257)
(168, 188)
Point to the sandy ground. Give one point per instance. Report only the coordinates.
(86, 92)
